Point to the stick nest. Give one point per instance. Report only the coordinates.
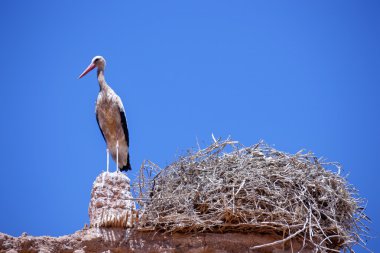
(230, 188)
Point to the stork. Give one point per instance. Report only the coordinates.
(111, 119)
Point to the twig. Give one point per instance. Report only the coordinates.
(280, 241)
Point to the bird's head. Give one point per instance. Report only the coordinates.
(96, 62)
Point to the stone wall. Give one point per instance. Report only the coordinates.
(119, 240)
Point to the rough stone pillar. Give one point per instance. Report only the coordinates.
(111, 202)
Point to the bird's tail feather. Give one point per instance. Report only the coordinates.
(126, 167)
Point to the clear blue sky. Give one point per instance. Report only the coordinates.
(298, 74)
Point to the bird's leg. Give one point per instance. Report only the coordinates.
(108, 159)
(117, 155)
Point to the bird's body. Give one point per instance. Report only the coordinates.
(112, 122)
(111, 119)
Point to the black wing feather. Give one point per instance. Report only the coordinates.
(124, 125)
(126, 133)
(97, 120)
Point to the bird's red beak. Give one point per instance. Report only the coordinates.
(88, 69)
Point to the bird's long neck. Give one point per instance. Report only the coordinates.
(102, 81)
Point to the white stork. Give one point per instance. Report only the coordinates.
(111, 119)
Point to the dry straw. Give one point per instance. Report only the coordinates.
(230, 188)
